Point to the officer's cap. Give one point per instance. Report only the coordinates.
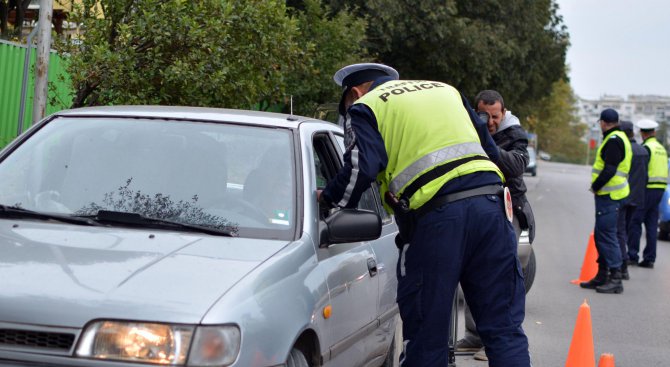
(357, 74)
(609, 115)
(647, 125)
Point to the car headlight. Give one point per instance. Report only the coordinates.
(160, 343)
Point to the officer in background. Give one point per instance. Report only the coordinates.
(435, 161)
(512, 141)
(609, 184)
(637, 179)
(657, 181)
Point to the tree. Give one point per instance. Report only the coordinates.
(559, 130)
(327, 42)
(517, 47)
(176, 52)
(235, 53)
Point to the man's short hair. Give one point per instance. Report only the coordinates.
(489, 97)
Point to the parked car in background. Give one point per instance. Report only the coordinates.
(545, 156)
(190, 237)
(532, 162)
(664, 214)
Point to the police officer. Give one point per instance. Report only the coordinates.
(435, 161)
(610, 185)
(637, 179)
(657, 181)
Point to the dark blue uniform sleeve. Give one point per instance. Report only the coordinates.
(364, 158)
(485, 138)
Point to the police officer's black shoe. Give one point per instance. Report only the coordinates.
(600, 278)
(613, 284)
(631, 262)
(646, 264)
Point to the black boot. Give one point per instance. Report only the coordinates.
(624, 271)
(613, 284)
(599, 279)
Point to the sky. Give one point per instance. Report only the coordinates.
(618, 47)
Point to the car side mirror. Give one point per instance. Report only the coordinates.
(350, 225)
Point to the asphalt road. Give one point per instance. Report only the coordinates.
(634, 326)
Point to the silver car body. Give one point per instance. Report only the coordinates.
(55, 278)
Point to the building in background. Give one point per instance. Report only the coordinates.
(632, 108)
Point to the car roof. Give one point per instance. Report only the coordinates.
(193, 113)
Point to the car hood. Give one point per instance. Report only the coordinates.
(68, 275)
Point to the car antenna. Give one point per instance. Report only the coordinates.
(291, 117)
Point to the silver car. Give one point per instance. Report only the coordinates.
(189, 237)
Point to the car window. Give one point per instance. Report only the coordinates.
(371, 199)
(218, 175)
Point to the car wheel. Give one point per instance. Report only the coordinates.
(529, 272)
(663, 234)
(297, 358)
(534, 173)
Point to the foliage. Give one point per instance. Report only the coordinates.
(202, 53)
(557, 125)
(234, 53)
(326, 43)
(514, 46)
(158, 206)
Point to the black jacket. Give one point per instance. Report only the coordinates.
(513, 145)
(637, 177)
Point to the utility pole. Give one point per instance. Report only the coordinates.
(42, 64)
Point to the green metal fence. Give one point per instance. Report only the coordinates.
(12, 57)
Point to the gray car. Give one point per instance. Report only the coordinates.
(191, 237)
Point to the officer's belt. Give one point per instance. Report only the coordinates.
(441, 200)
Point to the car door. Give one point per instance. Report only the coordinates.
(351, 275)
(386, 257)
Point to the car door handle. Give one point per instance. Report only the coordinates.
(372, 266)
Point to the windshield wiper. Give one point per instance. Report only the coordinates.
(108, 216)
(18, 212)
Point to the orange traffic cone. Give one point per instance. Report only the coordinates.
(581, 352)
(606, 360)
(590, 264)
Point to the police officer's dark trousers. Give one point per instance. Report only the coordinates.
(470, 241)
(649, 216)
(605, 231)
(623, 222)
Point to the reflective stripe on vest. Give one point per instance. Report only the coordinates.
(434, 159)
(618, 173)
(658, 164)
(424, 125)
(617, 187)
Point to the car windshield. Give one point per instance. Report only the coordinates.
(233, 177)
(531, 154)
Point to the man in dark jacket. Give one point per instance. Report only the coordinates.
(637, 179)
(512, 142)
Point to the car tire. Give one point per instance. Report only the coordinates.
(297, 358)
(529, 271)
(534, 173)
(663, 234)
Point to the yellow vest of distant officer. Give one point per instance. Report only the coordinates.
(424, 125)
(658, 164)
(617, 187)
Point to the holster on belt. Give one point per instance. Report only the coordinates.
(405, 218)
